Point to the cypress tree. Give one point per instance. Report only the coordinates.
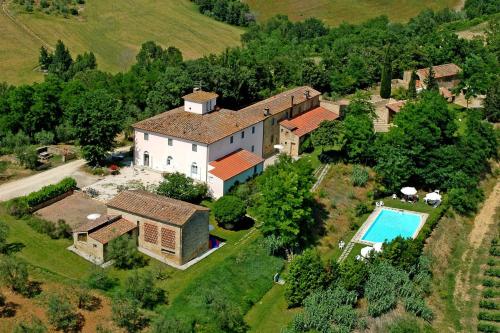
(412, 86)
(385, 84)
(45, 59)
(430, 80)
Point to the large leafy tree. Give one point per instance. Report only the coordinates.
(385, 83)
(97, 120)
(283, 205)
(330, 135)
(492, 102)
(178, 186)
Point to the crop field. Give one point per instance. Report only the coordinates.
(114, 31)
(335, 12)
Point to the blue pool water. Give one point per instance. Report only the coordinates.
(390, 224)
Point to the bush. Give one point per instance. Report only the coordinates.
(27, 156)
(62, 315)
(35, 326)
(361, 209)
(488, 328)
(495, 251)
(489, 316)
(123, 251)
(490, 293)
(99, 279)
(492, 272)
(353, 275)
(4, 232)
(166, 324)
(127, 314)
(491, 305)
(50, 191)
(465, 201)
(416, 305)
(2, 299)
(85, 300)
(229, 210)
(14, 274)
(54, 231)
(18, 207)
(403, 325)
(359, 176)
(141, 287)
(178, 186)
(44, 138)
(306, 275)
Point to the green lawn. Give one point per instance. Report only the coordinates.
(352, 11)
(114, 31)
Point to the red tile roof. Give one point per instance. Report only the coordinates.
(395, 106)
(155, 207)
(309, 121)
(200, 96)
(216, 125)
(112, 230)
(234, 164)
(94, 224)
(440, 71)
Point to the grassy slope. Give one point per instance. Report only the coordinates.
(114, 31)
(336, 11)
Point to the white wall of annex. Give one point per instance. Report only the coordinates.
(181, 152)
(224, 146)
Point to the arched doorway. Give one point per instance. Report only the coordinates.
(146, 159)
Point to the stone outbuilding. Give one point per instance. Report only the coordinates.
(172, 231)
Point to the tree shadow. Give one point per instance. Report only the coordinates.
(11, 248)
(8, 310)
(320, 215)
(95, 303)
(244, 224)
(34, 288)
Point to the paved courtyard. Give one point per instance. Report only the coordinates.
(73, 209)
(129, 178)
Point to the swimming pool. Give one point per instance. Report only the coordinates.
(391, 223)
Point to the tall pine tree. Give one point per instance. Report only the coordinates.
(412, 86)
(45, 58)
(385, 84)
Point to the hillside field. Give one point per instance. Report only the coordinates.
(114, 31)
(335, 12)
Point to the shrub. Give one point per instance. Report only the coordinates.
(127, 314)
(62, 315)
(403, 325)
(489, 316)
(495, 251)
(85, 300)
(2, 299)
(17, 207)
(491, 305)
(490, 283)
(488, 328)
(361, 209)
(141, 287)
(353, 275)
(35, 326)
(164, 323)
(492, 272)
(306, 274)
(4, 232)
(178, 186)
(14, 274)
(229, 210)
(465, 201)
(359, 176)
(50, 191)
(99, 279)
(416, 305)
(27, 156)
(123, 251)
(490, 293)
(44, 138)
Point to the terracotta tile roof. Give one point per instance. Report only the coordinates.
(446, 93)
(216, 125)
(154, 206)
(94, 224)
(200, 96)
(440, 71)
(112, 230)
(395, 106)
(233, 164)
(309, 121)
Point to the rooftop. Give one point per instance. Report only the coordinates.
(395, 106)
(113, 230)
(216, 125)
(94, 224)
(233, 164)
(441, 71)
(200, 96)
(155, 207)
(309, 121)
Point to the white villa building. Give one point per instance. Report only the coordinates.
(215, 145)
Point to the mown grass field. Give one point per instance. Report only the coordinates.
(335, 12)
(114, 31)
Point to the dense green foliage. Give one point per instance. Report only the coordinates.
(4, 233)
(386, 78)
(178, 186)
(33, 326)
(53, 230)
(123, 251)
(62, 314)
(231, 11)
(127, 314)
(62, 7)
(359, 176)
(50, 191)
(305, 275)
(14, 274)
(284, 204)
(475, 8)
(140, 286)
(99, 279)
(229, 209)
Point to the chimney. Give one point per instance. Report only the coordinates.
(292, 100)
(266, 111)
(307, 94)
(195, 89)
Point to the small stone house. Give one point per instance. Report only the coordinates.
(170, 230)
(91, 239)
(447, 76)
(293, 132)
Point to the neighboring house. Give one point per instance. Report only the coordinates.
(446, 75)
(295, 131)
(170, 230)
(189, 138)
(385, 111)
(92, 238)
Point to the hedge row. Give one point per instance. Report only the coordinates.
(488, 328)
(491, 283)
(492, 272)
(490, 293)
(490, 305)
(50, 191)
(489, 316)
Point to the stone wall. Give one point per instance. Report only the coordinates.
(195, 236)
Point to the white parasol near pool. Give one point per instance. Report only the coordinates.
(409, 190)
(93, 217)
(378, 247)
(432, 197)
(365, 252)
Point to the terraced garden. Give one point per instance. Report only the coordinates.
(489, 305)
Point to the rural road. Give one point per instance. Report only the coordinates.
(27, 185)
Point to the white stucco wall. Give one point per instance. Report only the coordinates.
(180, 151)
(224, 147)
(200, 108)
(218, 187)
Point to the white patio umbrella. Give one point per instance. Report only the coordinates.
(409, 190)
(365, 252)
(378, 247)
(432, 197)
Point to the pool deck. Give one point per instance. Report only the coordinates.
(373, 216)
